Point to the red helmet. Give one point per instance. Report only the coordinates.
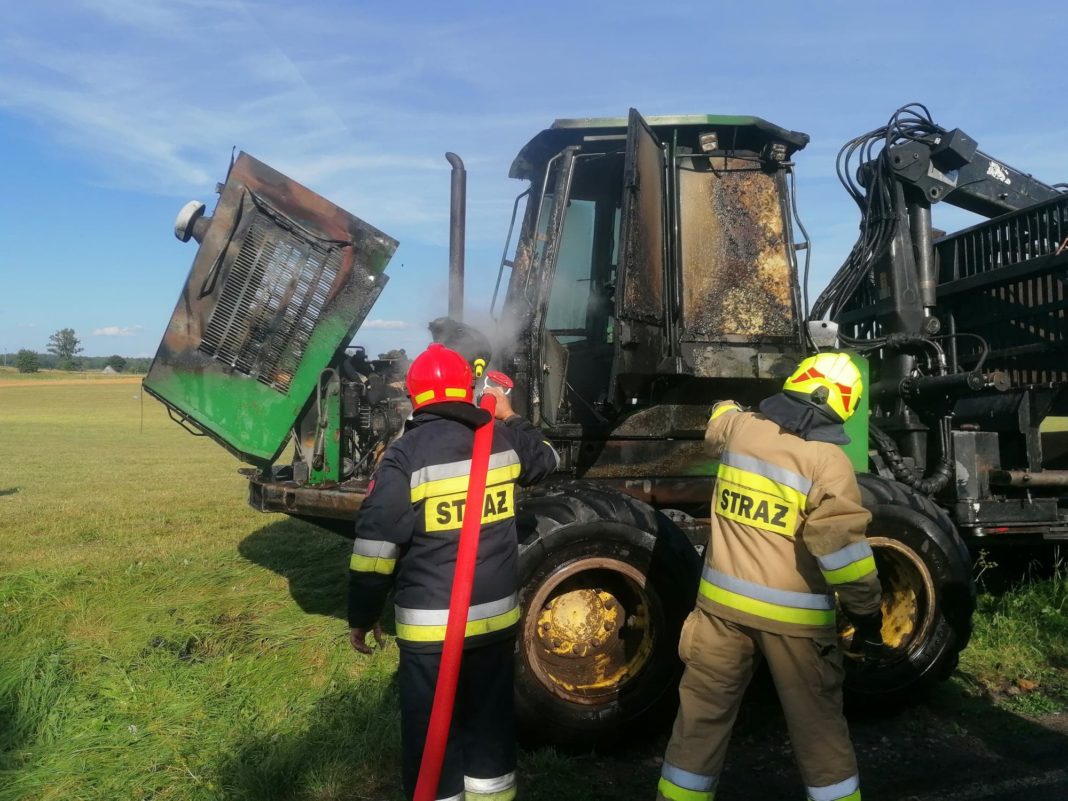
(438, 375)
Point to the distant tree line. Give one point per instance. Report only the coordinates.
(64, 349)
(29, 361)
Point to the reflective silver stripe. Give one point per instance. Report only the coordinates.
(845, 556)
(436, 472)
(832, 792)
(686, 780)
(440, 617)
(768, 470)
(376, 548)
(555, 454)
(486, 786)
(458, 797)
(798, 600)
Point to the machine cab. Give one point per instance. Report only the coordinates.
(653, 254)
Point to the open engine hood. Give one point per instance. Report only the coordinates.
(281, 281)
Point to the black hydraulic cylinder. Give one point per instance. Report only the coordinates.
(952, 384)
(920, 228)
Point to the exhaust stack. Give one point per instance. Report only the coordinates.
(457, 232)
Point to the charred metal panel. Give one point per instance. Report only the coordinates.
(554, 374)
(282, 279)
(738, 273)
(336, 503)
(735, 360)
(1014, 514)
(640, 297)
(643, 458)
(975, 454)
(642, 263)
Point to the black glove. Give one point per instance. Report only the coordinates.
(867, 631)
(866, 648)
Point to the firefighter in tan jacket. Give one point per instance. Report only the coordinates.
(787, 536)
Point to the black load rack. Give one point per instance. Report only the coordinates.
(1005, 281)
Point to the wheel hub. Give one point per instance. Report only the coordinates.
(908, 594)
(573, 624)
(588, 631)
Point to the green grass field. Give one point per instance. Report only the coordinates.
(151, 647)
(9, 375)
(160, 640)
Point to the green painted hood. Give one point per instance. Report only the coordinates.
(280, 283)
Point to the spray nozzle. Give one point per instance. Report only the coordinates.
(497, 379)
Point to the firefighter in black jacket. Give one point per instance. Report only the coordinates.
(407, 533)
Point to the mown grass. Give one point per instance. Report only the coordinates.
(10, 374)
(150, 646)
(159, 640)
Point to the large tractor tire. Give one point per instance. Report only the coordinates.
(928, 593)
(606, 582)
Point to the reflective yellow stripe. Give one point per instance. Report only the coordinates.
(448, 486)
(372, 564)
(450, 392)
(424, 396)
(503, 795)
(414, 633)
(722, 408)
(765, 609)
(676, 793)
(850, 572)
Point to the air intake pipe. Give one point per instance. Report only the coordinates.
(191, 222)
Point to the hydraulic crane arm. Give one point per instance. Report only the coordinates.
(956, 320)
(905, 167)
(948, 166)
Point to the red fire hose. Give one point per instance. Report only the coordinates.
(437, 734)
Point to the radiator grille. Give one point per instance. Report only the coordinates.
(269, 303)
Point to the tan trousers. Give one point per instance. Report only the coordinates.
(720, 658)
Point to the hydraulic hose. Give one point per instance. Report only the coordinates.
(929, 484)
(437, 734)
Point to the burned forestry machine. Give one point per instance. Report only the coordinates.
(654, 272)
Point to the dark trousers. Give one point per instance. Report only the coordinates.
(481, 741)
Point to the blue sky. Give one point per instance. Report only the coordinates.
(113, 113)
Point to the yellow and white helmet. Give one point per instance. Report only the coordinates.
(828, 381)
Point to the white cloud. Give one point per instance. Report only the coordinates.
(392, 325)
(156, 100)
(118, 331)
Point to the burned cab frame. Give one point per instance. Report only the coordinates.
(655, 269)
